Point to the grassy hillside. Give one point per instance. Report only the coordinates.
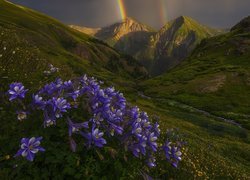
(208, 96)
(173, 43)
(39, 40)
(175, 33)
(215, 78)
(86, 30)
(215, 149)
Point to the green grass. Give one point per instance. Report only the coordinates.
(215, 148)
(214, 78)
(47, 39)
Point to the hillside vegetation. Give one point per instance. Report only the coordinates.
(157, 50)
(215, 78)
(31, 41)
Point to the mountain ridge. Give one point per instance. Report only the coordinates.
(214, 78)
(112, 34)
(243, 25)
(174, 42)
(157, 50)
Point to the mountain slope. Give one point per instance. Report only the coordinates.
(48, 41)
(112, 34)
(86, 30)
(180, 32)
(128, 36)
(215, 78)
(158, 51)
(174, 42)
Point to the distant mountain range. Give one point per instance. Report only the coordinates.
(157, 50)
(215, 77)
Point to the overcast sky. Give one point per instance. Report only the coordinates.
(99, 13)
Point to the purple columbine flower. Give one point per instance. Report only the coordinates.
(29, 147)
(167, 149)
(76, 127)
(151, 161)
(95, 138)
(115, 128)
(17, 91)
(134, 112)
(157, 129)
(38, 101)
(68, 84)
(53, 88)
(139, 147)
(137, 130)
(60, 105)
(49, 116)
(74, 94)
(172, 153)
(152, 141)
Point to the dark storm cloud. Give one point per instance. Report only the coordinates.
(98, 13)
(91, 13)
(217, 13)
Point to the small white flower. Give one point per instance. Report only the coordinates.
(4, 48)
(49, 122)
(21, 116)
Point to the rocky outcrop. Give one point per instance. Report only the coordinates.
(243, 25)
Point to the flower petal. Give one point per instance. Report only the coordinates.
(19, 153)
(34, 150)
(25, 153)
(37, 143)
(23, 146)
(41, 149)
(30, 156)
(32, 140)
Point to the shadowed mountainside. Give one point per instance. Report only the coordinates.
(38, 40)
(158, 51)
(215, 78)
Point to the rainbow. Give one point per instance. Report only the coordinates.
(122, 9)
(162, 11)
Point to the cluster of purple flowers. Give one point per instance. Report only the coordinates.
(110, 117)
(172, 149)
(141, 135)
(172, 152)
